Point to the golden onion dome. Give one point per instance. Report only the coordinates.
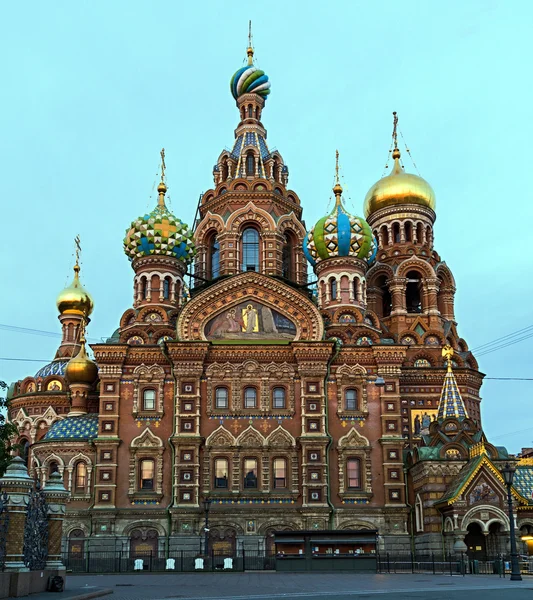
(75, 298)
(397, 188)
(81, 369)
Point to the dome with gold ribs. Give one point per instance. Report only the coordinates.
(399, 188)
(75, 298)
(339, 234)
(81, 369)
(159, 232)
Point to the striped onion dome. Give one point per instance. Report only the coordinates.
(339, 234)
(250, 80)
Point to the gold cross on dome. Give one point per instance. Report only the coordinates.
(163, 165)
(395, 129)
(336, 166)
(77, 241)
(165, 227)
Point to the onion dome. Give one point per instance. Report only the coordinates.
(398, 187)
(75, 298)
(339, 234)
(159, 232)
(81, 369)
(250, 80)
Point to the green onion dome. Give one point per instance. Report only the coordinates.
(250, 80)
(160, 232)
(339, 234)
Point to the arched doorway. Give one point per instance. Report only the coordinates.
(76, 544)
(475, 542)
(496, 539)
(143, 543)
(222, 541)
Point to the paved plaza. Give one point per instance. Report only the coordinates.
(274, 586)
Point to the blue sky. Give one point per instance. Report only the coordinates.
(93, 90)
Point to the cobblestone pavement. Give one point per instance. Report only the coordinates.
(315, 586)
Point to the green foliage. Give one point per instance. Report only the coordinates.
(7, 431)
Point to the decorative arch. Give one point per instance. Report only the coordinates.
(471, 517)
(415, 264)
(250, 213)
(280, 438)
(130, 527)
(251, 438)
(220, 438)
(250, 286)
(354, 445)
(147, 445)
(357, 525)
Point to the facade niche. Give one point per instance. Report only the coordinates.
(413, 293)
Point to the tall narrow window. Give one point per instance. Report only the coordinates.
(278, 397)
(408, 231)
(419, 233)
(166, 288)
(144, 288)
(221, 473)
(25, 453)
(250, 112)
(250, 473)
(214, 257)
(146, 474)
(221, 397)
(287, 258)
(250, 397)
(333, 288)
(350, 399)
(80, 480)
(250, 164)
(356, 289)
(53, 468)
(385, 235)
(250, 249)
(280, 473)
(413, 297)
(353, 473)
(396, 233)
(148, 399)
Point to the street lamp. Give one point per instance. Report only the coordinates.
(508, 475)
(207, 505)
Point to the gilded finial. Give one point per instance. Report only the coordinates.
(250, 51)
(396, 151)
(162, 188)
(447, 353)
(337, 188)
(77, 241)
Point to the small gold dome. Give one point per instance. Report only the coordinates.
(75, 298)
(81, 369)
(399, 187)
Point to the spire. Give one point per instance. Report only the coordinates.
(337, 188)
(396, 151)
(162, 188)
(250, 50)
(451, 403)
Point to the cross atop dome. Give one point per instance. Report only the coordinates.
(249, 79)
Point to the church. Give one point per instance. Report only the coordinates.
(277, 376)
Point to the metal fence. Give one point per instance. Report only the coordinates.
(177, 561)
(450, 564)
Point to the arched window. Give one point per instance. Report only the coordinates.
(221, 473)
(350, 399)
(250, 111)
(333, 288)
(146, 474)
(214, 257)
(356, 288)
(80, 477)
(149, 399)
(413, 296)
(250, 473)
(250, 249)
(408, 231)
(396, 233)
(250, 397)
(53, 467)
(250, 164)
(280, 473)
(166, 288)
(353, 473)
(225, 169)
(278, 397)
(221, 397)
(419, 514)
(287, 257)
(383, 307)
(419, 233)
(25, 451)
(144, 288)
(385, 235)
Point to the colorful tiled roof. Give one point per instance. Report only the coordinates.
(56, 367)
(451, 403)
(84, 427)
(523, 482)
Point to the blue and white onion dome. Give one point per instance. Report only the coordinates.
(160, 232)
(340, 234)
(250, 80)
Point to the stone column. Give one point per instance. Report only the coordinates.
(397, 288)
(17, 484)
(56, 497)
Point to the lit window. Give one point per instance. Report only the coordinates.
(81, 476)
(353, 468)
(147, 470)
(221, 473)
(278, 397)
(149, 400)
(280, 473)
(250, 473)
(221, 397)
(350, 399)
(250, 397)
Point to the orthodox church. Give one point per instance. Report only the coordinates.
(345, 399)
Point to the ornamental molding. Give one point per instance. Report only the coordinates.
(250, 286)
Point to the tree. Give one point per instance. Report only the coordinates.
(7, 432)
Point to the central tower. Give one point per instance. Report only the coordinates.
(250, 221)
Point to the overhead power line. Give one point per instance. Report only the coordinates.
(503, 341)
(30, 331)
